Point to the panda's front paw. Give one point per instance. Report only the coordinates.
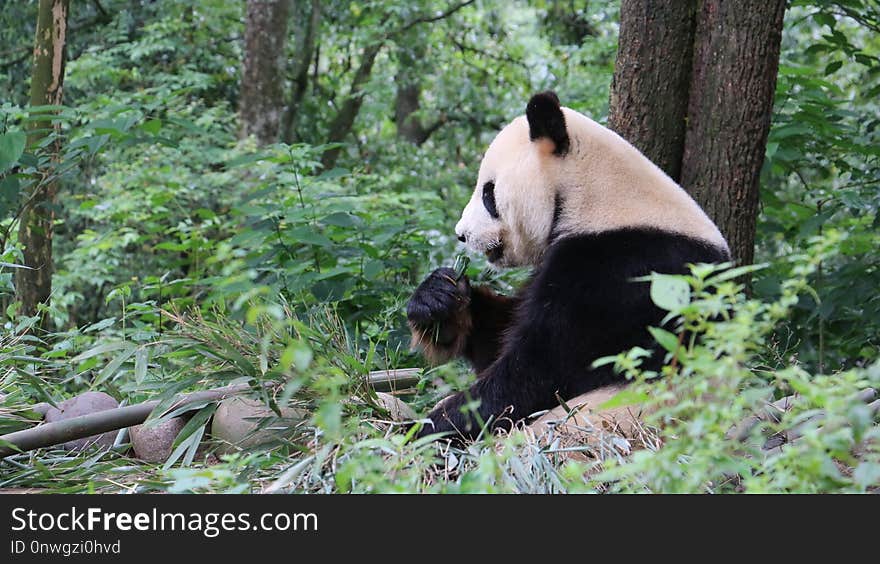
(438, 303)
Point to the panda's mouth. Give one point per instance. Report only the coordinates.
(495, 251)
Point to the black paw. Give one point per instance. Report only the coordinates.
(438, 299)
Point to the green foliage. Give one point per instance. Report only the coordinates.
(823, 171)
(719, 379)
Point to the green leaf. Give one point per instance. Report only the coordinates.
(114, 365)
(342, 219)
(309, 236)
(12, 145)
(670, 293)
(9, 194)
(100, 349)
(100, 326)
(627, 396)
(823, 18)
(141, 358)
(298, 355)
(197, 420)
(333, 173)
(867, 474)
(666, 339)
(152, 126)
(373, 268)
(833, 67)
(247, 159)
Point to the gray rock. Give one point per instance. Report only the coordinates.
(239, 423)
(396, 407)
(83, 404)
(42, 408)
(153, 444)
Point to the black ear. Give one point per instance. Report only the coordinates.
(547, 122)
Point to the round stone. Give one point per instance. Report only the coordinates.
(153, 444)
(240, 423)
(84, 404)
(397, 408)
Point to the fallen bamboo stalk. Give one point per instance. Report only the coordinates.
(102, 421)
(395, 379)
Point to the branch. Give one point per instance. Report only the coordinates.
(344, 120)
(501, 58)
(427, 19)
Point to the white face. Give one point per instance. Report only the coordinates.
(516, 175)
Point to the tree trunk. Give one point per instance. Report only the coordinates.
(410, 51)
(344, 120)
(306, 27)
(736, 58)
(262, 81)
(649, 93)
(693, 90)
(34, 283)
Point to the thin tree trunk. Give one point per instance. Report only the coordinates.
(33, 284)
(410, 51)
(649, 92)
(262, 81)
(306, 32)
(344, 120)
(736, 59)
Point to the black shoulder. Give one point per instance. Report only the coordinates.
(627, 253)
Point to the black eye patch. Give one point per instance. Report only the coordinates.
(489, 199)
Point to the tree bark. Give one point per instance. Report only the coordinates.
(344, 120)
(410, 51)
(693, 90)
(649, 92)
(306, 28)
(33, 284)
(736, 59)
(261, 99)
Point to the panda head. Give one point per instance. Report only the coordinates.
(510, 213)
(554, 172)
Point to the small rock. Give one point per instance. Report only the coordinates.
(83, 404)
(239, 423)
(397, 408)
(153, 444)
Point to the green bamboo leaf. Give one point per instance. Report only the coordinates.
(113, 366)
(196, 421)
(101, 349)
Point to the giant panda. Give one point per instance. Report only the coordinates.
(560, 193)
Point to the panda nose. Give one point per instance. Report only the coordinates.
(462, 238)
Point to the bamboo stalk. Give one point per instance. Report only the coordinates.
(396, 379)
(102, 421)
